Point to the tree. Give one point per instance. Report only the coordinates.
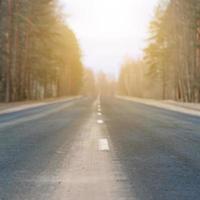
(40, 56)
(89, 83)
(172, 55)
(131, 78)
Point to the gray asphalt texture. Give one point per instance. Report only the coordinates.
(30, 148)
(158, 150)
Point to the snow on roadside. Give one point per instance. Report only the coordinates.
(6, 108)
(187, 108)
(193, 106)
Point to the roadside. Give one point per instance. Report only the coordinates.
(192, 106)
(187, 108)
(19, 106)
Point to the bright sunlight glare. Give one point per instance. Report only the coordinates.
(109, 30)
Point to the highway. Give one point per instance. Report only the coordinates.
(99, 149)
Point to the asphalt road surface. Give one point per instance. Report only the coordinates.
(108, 149)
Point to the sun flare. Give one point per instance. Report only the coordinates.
(105, 26)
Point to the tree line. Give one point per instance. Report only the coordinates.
(99, 83)
(39, 54)
(170, 68)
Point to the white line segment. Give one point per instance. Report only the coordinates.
(103, 145)
(100, 121)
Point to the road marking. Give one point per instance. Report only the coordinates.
(100, 121)
(60, 152)
(99, 109)
(99, 114)
(103, 145)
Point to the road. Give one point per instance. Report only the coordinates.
(108, 149)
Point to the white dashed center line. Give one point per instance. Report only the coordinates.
(99, 114)
(103, 145)
(100, 121)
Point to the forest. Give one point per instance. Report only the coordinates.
(170, 67)
(39, 54)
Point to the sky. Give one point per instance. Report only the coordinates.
(109, 31)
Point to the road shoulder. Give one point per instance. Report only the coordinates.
(6, 108)
(186, 108)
